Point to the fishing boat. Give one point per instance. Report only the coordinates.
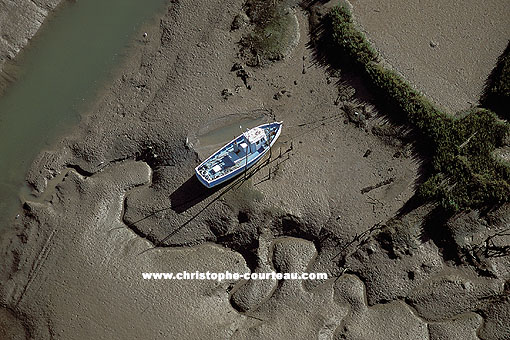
(238, 155)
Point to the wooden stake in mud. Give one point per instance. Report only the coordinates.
(270, 153)
(269, 163)
(246, 163)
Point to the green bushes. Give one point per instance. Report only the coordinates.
(463, 173)
(412, 106)
(349, 38)
(497, 92)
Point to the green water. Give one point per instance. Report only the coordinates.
(61, 71)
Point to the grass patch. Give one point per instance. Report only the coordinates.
(463, 172)
(273, 32)
(349, 39)
(496, 95)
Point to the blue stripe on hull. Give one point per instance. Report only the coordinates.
(229, 176)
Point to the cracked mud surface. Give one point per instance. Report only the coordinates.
(128, 202)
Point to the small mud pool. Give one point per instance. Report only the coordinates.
(216, 133)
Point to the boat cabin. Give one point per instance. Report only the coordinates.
(254, 140)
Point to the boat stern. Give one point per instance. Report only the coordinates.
(201, 178)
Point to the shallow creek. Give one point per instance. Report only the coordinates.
(59, 75)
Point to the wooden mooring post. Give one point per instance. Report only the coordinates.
(246, 163)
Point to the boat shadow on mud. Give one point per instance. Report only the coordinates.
(190, 193)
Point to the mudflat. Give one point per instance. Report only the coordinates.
(330, 199)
